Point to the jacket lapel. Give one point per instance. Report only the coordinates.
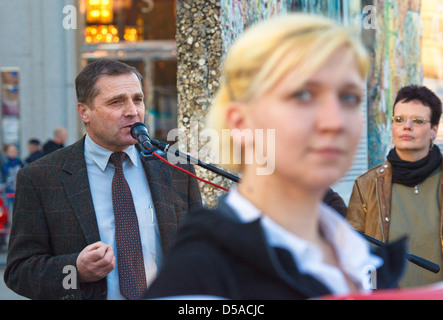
(160, 182)
(270, 260)
(383, 192)
(78, 192)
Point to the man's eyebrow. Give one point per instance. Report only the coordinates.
(124, 96)
(117, 97)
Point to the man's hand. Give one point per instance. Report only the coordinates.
(95, 262)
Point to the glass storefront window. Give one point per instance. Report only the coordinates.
(113, 21)
(140, 33)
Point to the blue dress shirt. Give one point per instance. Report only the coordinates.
(100, 174)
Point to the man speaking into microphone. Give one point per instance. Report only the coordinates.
(95, 211)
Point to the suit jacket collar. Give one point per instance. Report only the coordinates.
(79, 194)
(78, 191)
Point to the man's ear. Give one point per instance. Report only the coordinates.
(83, 111)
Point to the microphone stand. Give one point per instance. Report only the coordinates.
(162, 146)
(425, 264)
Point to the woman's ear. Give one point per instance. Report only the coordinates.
(238, 123)
(434, 131)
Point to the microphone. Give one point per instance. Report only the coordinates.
(139, 132)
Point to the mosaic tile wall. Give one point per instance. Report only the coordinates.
(207, 28)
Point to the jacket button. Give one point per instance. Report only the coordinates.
(387, 219)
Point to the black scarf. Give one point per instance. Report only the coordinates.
(412, 173)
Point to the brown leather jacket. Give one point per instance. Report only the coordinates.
(369, 209)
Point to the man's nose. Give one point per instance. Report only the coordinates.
(131, 109)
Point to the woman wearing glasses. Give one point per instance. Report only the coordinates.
(291, 90)
(402, 197)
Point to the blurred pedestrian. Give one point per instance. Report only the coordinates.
(34, 150)
(303, 78)
(10, 169)
(2, 163)
(57, 141)
(12, 165)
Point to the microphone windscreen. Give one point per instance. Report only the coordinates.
(137, 129)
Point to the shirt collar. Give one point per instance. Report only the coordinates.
(275, 234)
(101, 155)
(245, 210)
(352, 250)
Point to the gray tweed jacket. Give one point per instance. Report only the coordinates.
(54, 219)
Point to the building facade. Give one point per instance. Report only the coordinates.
(38, 63)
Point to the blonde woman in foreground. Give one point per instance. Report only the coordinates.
(301, 78)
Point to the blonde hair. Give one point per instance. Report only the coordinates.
(266, 52)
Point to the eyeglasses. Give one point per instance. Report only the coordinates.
(415, 120)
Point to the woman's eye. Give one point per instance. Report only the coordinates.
(303, 96)
(351, 99)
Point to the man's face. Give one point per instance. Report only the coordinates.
(33, 147)
(118, 105)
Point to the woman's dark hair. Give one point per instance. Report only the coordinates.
(423, 95)
(85, 82)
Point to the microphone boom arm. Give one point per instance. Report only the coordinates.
(167, 149)
(425, 264)
(139, 132)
